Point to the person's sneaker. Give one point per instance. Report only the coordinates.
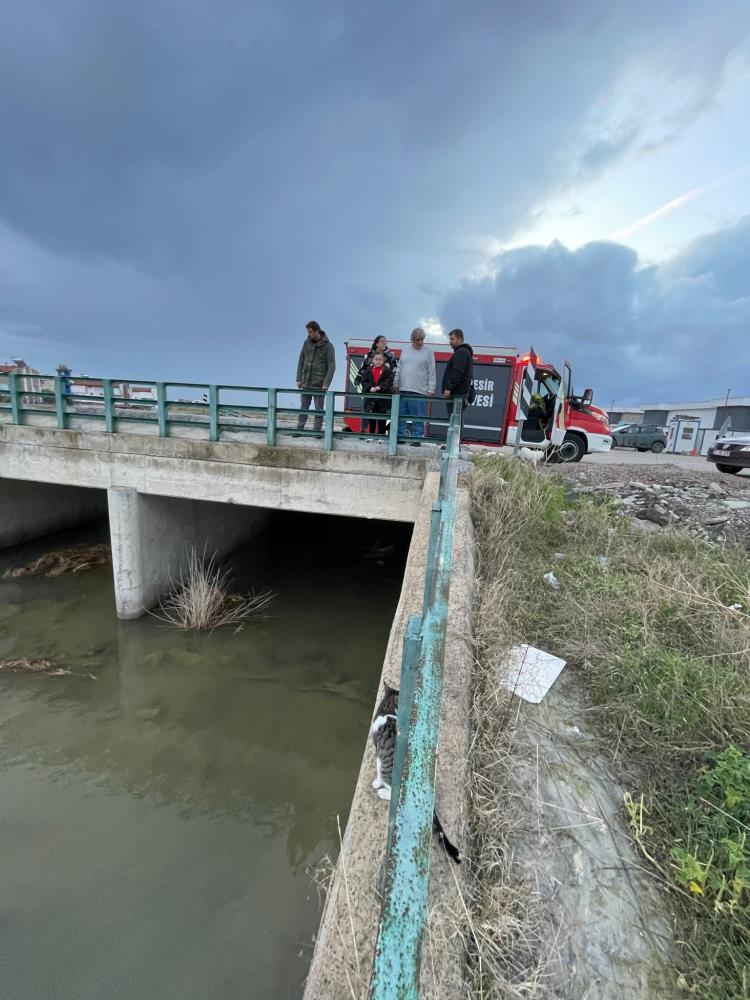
(296, 434)
(416, 444)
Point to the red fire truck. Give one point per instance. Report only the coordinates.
(558, 420)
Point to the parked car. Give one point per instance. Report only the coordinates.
(730, 454)
(642, 437)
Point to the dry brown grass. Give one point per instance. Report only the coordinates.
(324, 876)
(201, 600)
(505, 939)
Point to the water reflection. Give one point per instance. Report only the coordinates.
(244, 745)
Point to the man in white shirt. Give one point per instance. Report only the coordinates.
(416, 375)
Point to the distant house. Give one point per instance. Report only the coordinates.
(81, 385)
(29, 379)
(30, 382)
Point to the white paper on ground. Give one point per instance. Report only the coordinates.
(530, 672)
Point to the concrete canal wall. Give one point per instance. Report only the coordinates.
(345, 944)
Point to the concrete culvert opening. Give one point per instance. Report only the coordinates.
(30, 510)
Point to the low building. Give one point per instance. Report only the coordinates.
(81, 385)
(732, 413)
(633, 415)
(712, 417)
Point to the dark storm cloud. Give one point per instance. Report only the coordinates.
(182, 185)
(678, 329)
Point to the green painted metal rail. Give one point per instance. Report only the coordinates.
(110, 402)
(396, 968)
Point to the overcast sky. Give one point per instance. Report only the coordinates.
(184, 185)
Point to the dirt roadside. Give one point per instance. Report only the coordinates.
(664, 494)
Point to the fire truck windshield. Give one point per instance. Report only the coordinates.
(548, 383)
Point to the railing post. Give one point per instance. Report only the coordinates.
(15, 402)
(59, 402)
(432, 545)
(393, 436)
(213, 407)
(271, 418)
(330, 405)
(407, 683)
(161, 408)
(109, 416)
(395, 973)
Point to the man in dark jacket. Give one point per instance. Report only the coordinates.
(459, 373)
(315, 369)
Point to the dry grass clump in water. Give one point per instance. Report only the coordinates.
(201, 599)
(70, 560)
(657, 628)
(30, 665)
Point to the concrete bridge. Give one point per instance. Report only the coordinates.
(164, 496)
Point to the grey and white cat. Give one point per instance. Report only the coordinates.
(383, 732)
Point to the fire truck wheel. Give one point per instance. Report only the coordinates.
(572, 449)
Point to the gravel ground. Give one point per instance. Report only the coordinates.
(628, 456)
(664, 494)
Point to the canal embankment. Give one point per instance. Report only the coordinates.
(608, 821)
(344, 950)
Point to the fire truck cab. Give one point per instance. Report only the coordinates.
(567, 425)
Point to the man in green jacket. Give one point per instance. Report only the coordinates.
(315, 368)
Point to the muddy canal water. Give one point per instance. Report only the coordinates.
(160, 808)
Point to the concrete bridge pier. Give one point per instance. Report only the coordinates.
(152, 537)
(29, 510)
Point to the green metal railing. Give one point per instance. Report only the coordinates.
(396, 968)
(113, 405)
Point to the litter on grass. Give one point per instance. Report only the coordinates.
(530, 672)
